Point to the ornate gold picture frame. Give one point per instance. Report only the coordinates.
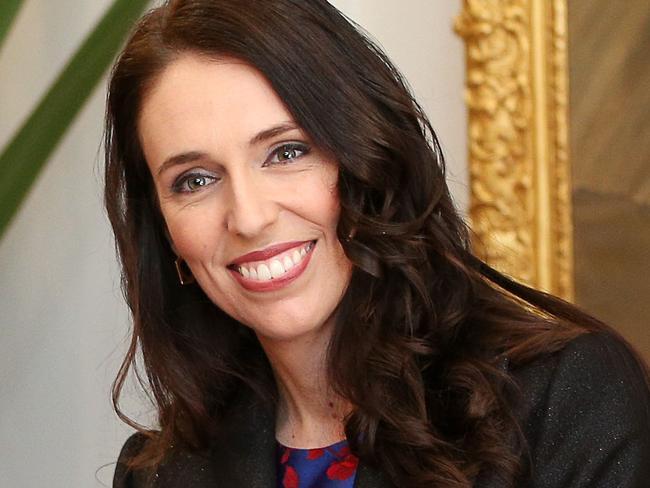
(517, 95)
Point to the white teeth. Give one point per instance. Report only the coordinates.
(263, 272)
(277, 269)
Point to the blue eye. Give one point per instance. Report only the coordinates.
(192, 182)
(287, 152)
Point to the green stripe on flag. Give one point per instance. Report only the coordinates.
(25, 155)
(8, 10)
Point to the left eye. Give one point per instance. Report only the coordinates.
(287, 152)
(193, 182)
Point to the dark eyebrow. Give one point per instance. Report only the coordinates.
(182, 158)
(188, 157)
(272, 132)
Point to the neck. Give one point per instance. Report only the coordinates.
(309, 413)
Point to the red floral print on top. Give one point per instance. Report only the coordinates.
(329, 467)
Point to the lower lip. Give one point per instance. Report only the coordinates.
(275, 283)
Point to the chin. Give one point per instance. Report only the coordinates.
(284, 329)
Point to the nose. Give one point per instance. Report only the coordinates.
(251, 208)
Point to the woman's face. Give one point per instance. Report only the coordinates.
(249, 202)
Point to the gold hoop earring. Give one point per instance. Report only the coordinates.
(184, 272)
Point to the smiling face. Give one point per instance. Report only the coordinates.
(249, 202)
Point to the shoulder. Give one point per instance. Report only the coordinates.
(124, 477)
(596, 370)
(180, 468)
(586, 415)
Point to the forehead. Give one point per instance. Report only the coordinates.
(196, 97)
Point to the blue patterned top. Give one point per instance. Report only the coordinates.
(328, 467)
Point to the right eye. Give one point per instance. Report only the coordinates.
(192, 182)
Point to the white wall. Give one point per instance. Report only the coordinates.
(61, 315)
(418, 37)
(63, 323)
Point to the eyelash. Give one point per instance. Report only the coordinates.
(180, 185)
(286, 147)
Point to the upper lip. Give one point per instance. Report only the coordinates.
(267, 252)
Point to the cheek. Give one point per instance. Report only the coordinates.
(324, 204)
(191, 234)
(325, 208)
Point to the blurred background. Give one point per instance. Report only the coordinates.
(64, 326)
(609, 120)
(63, 323)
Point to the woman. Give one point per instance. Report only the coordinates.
(302, 289)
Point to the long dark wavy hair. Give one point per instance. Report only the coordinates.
(424, 327)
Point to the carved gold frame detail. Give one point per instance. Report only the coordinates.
(517, 95)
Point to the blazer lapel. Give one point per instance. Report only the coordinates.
(244, 449)
(368, 477)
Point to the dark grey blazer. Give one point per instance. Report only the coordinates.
(586, 418)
